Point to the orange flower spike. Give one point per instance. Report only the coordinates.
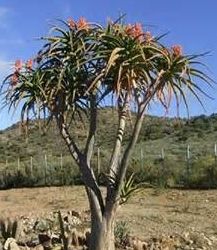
(138, 31)
(177, 50)
(29, 64)
(82, 23)
(18, 65)
(71, 23)
(134, 31)
(14, 79)
(129, 29)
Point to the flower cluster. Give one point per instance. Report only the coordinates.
(136, 31)
(81, 24)
(14, 78)
(177, 50)
(71, 23)
(129, 29)
(18, 67)
(29, 64)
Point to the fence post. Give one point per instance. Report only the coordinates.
(162, 154)
(98, 162)
(45, 170)
(61, 162)
(141, 157)
(215, 153)
(163, 180)
(31, 166)
(188, 156)
(18, 164)
(61, 170)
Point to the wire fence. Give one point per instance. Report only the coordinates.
(180, 166)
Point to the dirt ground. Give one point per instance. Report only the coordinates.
(149, 214)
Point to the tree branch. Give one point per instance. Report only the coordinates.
(74, 150)
(81, 160)
(119, 137)
(114, 161)
(92, 129)
(122, 167)
(142, 104)
(133, 140)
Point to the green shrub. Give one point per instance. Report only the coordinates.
(203, 173)
(121, 234)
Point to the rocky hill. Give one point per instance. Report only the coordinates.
(161, 137)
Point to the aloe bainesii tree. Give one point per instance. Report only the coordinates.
(79, 66)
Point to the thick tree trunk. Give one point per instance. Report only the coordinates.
(102, 233)
(102, 224)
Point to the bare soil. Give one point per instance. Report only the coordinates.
(151, 213)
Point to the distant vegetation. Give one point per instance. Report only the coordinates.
(160, 157)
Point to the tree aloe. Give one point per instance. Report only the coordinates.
(79, 66)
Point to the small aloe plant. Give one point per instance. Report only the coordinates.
(129, 187)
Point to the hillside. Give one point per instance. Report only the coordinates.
(160, 137)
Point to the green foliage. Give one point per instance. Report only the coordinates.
(17, 180)
(122, 233)
(203, 173)
(79, 60)
(53, 176)
(128, 189)
(159, 172)
(198, 173)
(148, 170)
